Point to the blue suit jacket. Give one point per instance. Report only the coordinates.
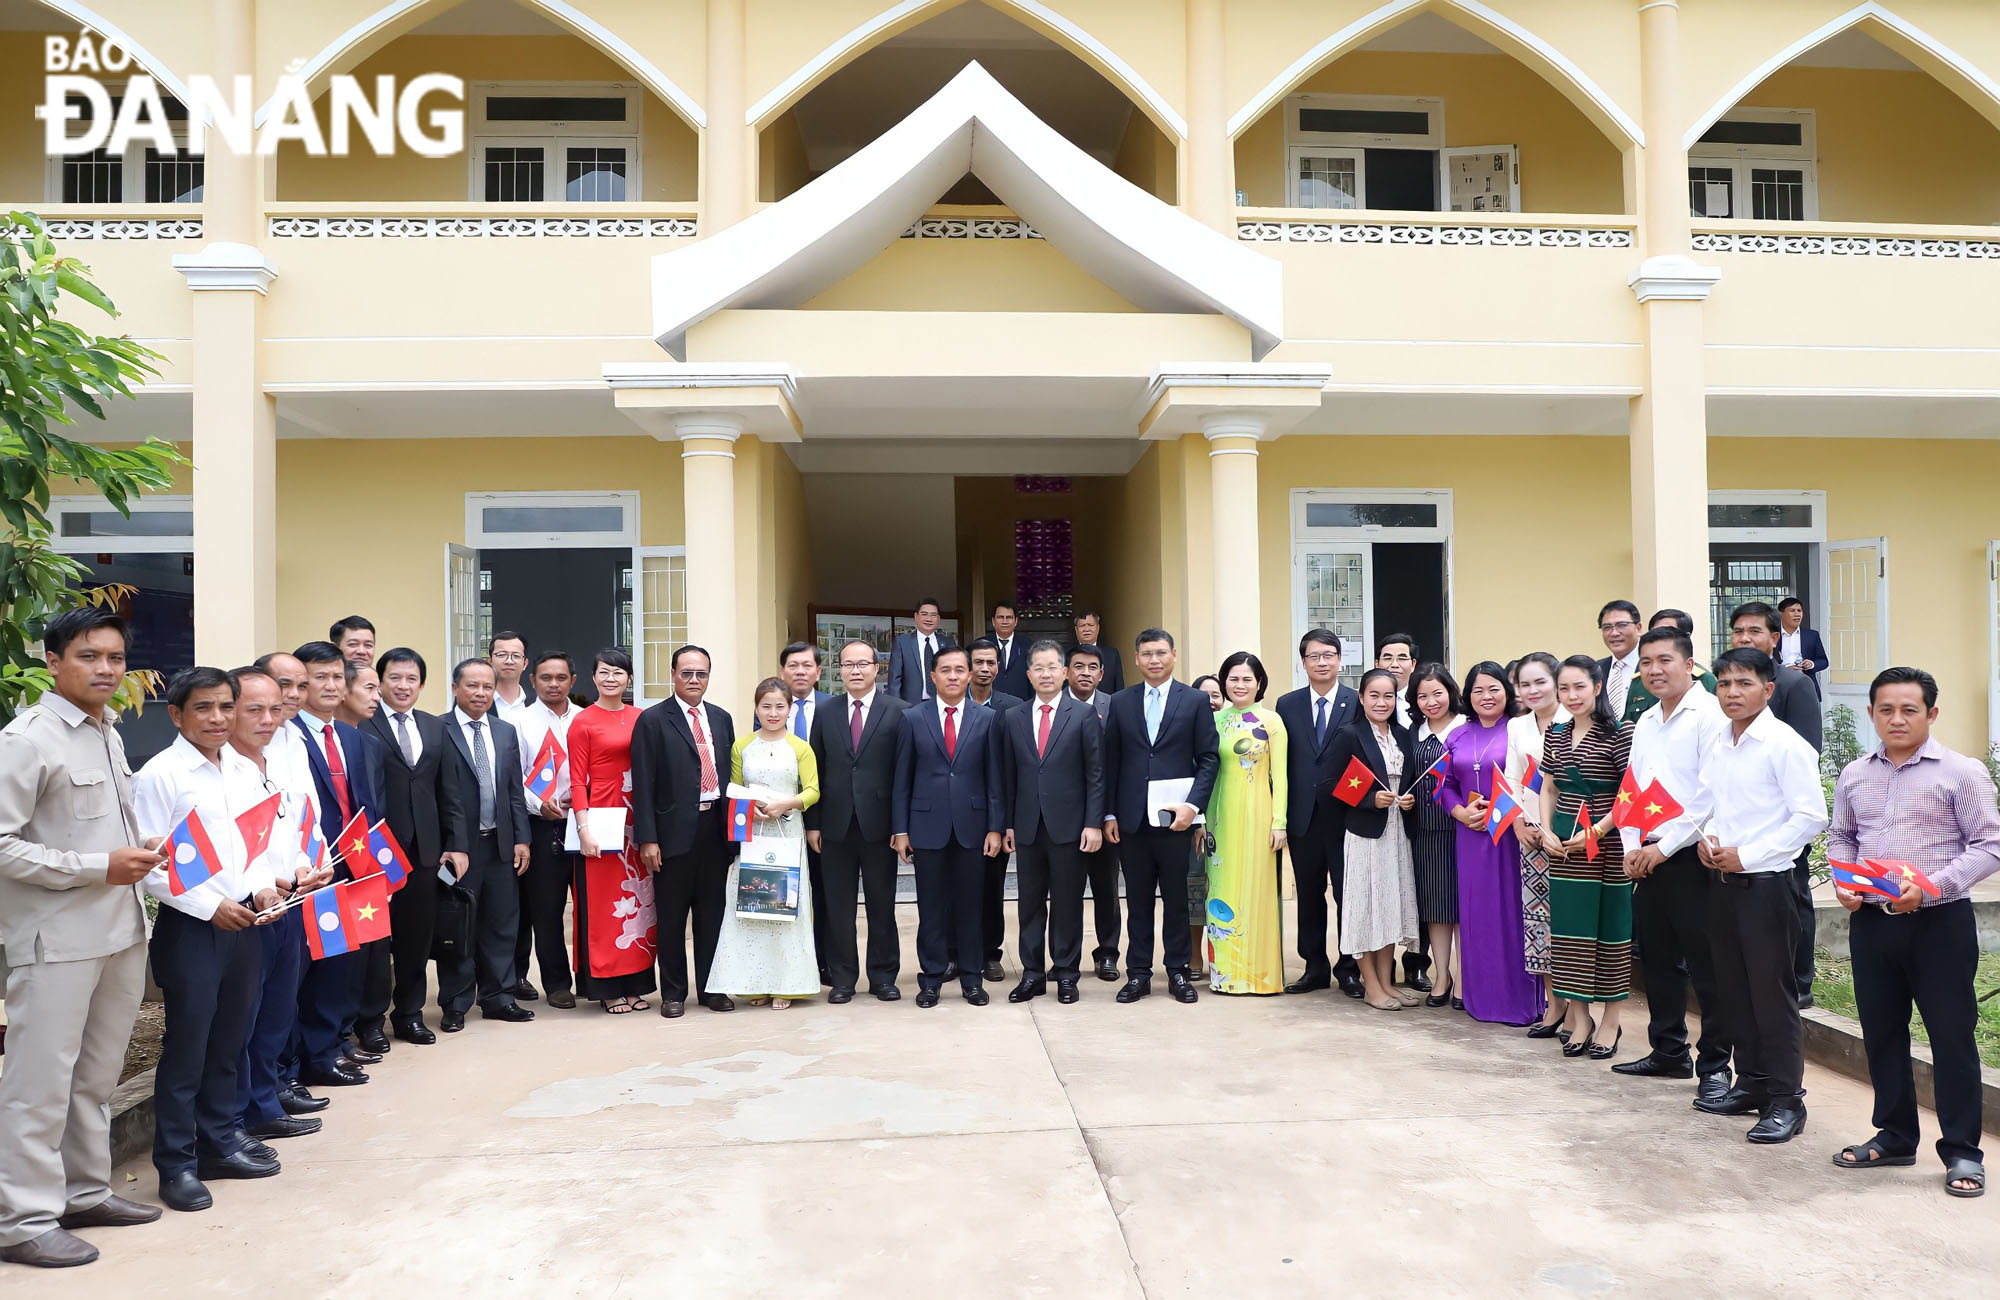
(939, 799)
(1811, 647)
(1310, 771)
(1185, 747)
(361, 765)
(906, 666)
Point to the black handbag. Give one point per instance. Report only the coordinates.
(451, 932)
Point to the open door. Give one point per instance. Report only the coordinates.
(1481, 178)
(461, 603)
(1857, 623)
(659, 619)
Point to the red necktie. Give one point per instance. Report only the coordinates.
(855, 717)
(1042, 732)
(702, 747)
(337, 768)
(950, 732)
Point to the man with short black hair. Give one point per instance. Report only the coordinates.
(485, 763)
(1011, 650)
(1100, 865)
(981, 689)
(1313, 715)
(545, 886)
(1618, 624)
(508, 653)
(354, 637)
(1799, 647)
(1397, 652)
(798, 667)
(913, 653)
(1089, 628)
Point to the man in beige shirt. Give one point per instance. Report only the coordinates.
(75, 936)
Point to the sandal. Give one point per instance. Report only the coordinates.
(640, 1004)
(1871, 1155)
(779, 1004)
(758, 1002)
(619, 1007)
(1969, 1171)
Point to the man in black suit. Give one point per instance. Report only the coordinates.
(949, 813)
(1158, 730)
(1111, 677)
(913, 653)
(484, 762)
(421, 805)
(1086, 665)
(1795, 701)
(680, 766)
(1313, 715)
(981, 692)
(1055, 815)
(854, 743)
(1011, 650)
(1800, 647)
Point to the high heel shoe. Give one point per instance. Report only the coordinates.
(1438, 999)
(1605, 1051)
(1575, 1047)
(1545, 1029)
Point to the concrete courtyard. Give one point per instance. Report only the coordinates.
(1289, 1146)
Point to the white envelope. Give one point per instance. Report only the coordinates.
(607, 827)
(1161, 795)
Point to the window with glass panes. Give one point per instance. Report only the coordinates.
(556, 144)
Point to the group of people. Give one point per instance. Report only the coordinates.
(1476, 825)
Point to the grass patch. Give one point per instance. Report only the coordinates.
(1833, 988)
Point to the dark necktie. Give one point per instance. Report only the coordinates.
(1319, 724)
(856, 716)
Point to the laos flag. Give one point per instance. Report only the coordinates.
(191, 856)
(548, 761)
(740, 813)
(327, 931)
(1504, 809)
(1532, 778)
(386, 856)
(312, 841)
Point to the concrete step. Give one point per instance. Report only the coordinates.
(1831, 919)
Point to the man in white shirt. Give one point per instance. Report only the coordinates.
(1671, 886)
(1397, 652)
(544, 886)
(913, 653)
(1100, 866)
(205, 958)
(1761, 786)
(1618, 624)
(508, 653)
(1011, 651)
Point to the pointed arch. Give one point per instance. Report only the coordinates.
(1945, 65)
(90, 20)
(398, 16)
(1482, 21)
(899, 18)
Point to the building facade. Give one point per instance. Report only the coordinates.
(745, 320)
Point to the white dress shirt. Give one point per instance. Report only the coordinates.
(510, 711)
(1763, 792)
(1525, 737)
(482, 740)
(531, 728)
(1006, 644)
(925, 644)
(1451, 723)
(1090, 699)
(703, 727)
(1789, 650)
(1670, 748)
(1624, 690)
(389, 715)
(958, 719)
(179, 780)
(811, 702)
(287, 766)
(316, 729)
(863, 703)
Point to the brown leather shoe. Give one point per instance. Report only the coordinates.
(53, 1249)
(673, 1010)
(562, 998)
(111, 1212)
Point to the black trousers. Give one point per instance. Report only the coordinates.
(690, 886)
(822, 936)
(1049, 878)
(1802, 952)
(1156, 862)
(851, 865)
(1753, 926)
(1101, 868)
(329, 993)
(210, 979)
(993, 908)
(1316, 866)
(1926, 957)
(496, 904)
(1670, 922)
(544, 894)
(951, 886)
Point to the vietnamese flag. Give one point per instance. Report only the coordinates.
(1897, 873)
(1622, 812)
(364, 905)
(352, 843)
(191, 856)
(387, 856)
(255, 825)
(1589, 824)
(1654, 808)
(1354, 783)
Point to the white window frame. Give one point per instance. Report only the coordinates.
(1742, 158)
(1814, 533)
(1293, 153)
(555, 135)
(645, 692)
(1307, 537)
(1855, 695)
(170, 545)
(132, 163)
(1431, 105)
(1445, 157)
(479, 539)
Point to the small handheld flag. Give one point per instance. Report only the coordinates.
(1589, 823)
(352, 844)
(740, 812)
(1504, 810)
(1654, 808)
(191, 856)
(1531, 779)
(312, 841)
(1354, 783)
(365, 904)
(1628, 794)
(255, 825)
(548, 762)
(1436, 772)
(386, 856)
(1858, 879)
(1896, 873)
(327, 934)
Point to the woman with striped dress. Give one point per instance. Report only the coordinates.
(1433, 701)
(1590, 899)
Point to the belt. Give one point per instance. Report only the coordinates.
(1745, 879)
(490, 833)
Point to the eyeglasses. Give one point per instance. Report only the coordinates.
(1619, 626)
(692, 674)
(1328, 657)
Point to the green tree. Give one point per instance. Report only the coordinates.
(50, 373)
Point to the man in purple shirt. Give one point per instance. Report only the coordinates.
(1915, 801)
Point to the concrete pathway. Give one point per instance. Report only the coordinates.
(1291, 1146)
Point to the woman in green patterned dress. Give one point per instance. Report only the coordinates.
(1246, 816)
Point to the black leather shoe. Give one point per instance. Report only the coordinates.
(297, 1101)
(1784, 1121)
(372, 1039)
(672, 1008)
(1655, 1067)
(1351, 985)
(247, 1143)
(273, 1129)
(241, 1164)
(415, 1031)
(185, 1193)
(977, 996)
(513, 1012)
(111, 1212)
(840, 997)
(1027, 988)
(525, 992)
(927, 997)
(1734, 1102)
(1713, 1087)
(334, 1076)
(358, 1057)
(1805, 1002)
(994, 971)
(719, 1002)
(886, 992)
(1416, 977)
(563, 999)
(1135, 988)
(450, 1022)
(1107, 970)
(1309, 984)
(1066, 991)
(1181, 987)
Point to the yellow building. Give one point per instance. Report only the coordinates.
(738, 320)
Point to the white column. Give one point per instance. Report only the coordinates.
(708, 471)
(1232, 458)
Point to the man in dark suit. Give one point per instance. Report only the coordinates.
(1158, 730)
(421, 806)
(1800, 647)
(1795, 702)
(798, 666)
(1313, 715)
(1111, 675)
(331, 988)
(981, 692)
(1639, 698)
(949, 813)
(680, 767)
(1055, 814)
(484, 762)
(1011, 650)
(854, 743)
(1100, 866)
(913, 653)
